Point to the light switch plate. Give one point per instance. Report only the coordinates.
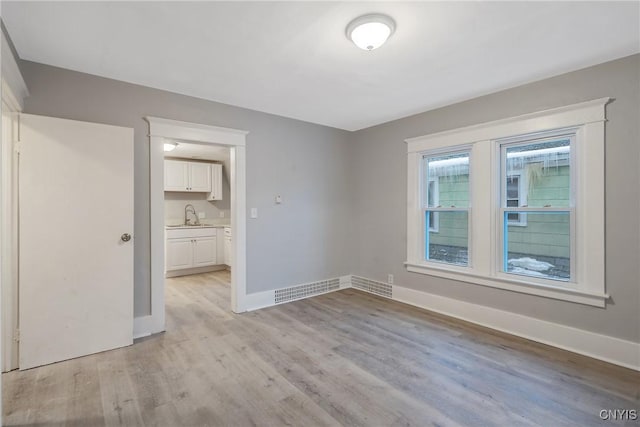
(221, 214)
(201, 215)
(254, 212)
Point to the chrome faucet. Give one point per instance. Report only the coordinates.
(189, 208)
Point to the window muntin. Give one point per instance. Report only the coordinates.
(537, 237)
(433, 192)
(445, 206)
(516, 196)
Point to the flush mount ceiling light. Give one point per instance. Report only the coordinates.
(170, 146)
(369, 32)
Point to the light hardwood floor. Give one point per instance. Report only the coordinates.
(345, 358)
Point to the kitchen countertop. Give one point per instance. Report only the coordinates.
(182, 226)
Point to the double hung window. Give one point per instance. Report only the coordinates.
(516, 204)
(537, 234)
(446, 207)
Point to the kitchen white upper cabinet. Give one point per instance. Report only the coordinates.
(180, 175)
(204, 251)
(200, 177)
(176, 175)
(216, 182)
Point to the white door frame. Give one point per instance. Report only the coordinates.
(14, 90)
(159, 131)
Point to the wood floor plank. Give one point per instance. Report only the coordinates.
(344, 358)
(86, 403)
(119, 403)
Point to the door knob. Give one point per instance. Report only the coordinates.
(125, 237)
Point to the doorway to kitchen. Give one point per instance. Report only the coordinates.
(197, 165)
(197, 208)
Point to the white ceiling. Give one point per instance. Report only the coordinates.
(216, 153)
(293, 59)
(186, 150)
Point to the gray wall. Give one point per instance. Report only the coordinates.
(344, 207)
(303, 239)
(379, 174)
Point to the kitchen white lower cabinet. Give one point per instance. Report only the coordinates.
(179, 254)
(190, 248)
(204, 251)
(220, 246)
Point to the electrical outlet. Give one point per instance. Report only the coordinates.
(201, 215)
(390, 279)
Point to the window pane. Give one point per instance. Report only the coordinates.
(541, 248)
(446, 181)
(513, 186)
(513, 217)
(544, 167)
(431, 193)
(433, 221)
(451, 243)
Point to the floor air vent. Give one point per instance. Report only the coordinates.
(303, 291)
(373, 286)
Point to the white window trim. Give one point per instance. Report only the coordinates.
(589, 119)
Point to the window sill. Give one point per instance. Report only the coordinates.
(556, 292)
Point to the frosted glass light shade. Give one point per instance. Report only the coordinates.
(369, 32)
(169, 146)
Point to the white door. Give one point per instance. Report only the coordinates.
(176, 175)
(204, 252)
(76, 261)
(200, 177)
(179, 254)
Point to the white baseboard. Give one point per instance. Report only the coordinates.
(141, 326)
(144, 326)
(265, 299)
(603, 347)
(259, 300)
(345, 282)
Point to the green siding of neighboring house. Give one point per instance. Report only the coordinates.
(454, 191)
(543, 234)
(552, 188)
